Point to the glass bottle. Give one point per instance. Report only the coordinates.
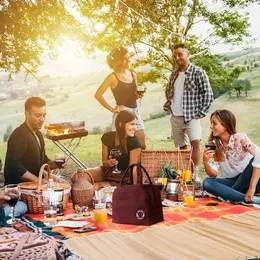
(198, 184)
(50, 202)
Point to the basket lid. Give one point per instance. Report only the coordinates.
(34, 185)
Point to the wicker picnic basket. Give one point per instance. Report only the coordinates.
(31, 192)
(82, 190)
(153, 161)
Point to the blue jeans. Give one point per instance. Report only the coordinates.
(19, 209)
(233, 189)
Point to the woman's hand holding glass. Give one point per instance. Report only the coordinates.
(140, 91)
(3, 197)
(207, 155)
(13, 192)
(112, 162)
(115, 154)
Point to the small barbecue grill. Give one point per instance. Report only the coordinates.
(67, 130)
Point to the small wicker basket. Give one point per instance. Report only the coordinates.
(153, 161)
(31, 192)
(82, 190)
(188, 187)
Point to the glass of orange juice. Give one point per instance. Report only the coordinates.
(100, 213)
(188, 198)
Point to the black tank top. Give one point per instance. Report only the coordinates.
(124, 93)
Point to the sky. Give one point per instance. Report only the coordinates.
(74, 63)
(254, 13)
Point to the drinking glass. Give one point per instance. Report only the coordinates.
(115, 153)
(211, 145)
(60, 159)
(188, 198)
(140, 91)
(13, 191)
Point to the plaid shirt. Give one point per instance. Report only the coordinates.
(197, 96)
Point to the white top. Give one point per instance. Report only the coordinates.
(176, 104)
(238, 153)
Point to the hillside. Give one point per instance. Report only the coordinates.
(238, 54)
(81, 105)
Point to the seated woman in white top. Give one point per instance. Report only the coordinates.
(236, 158)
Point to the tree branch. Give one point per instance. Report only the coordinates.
(30, 72)
(201, 20)
(206, 37)
(158, 50)
(191, 17)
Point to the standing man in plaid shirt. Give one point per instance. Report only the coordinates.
(189, 96)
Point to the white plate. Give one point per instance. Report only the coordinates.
(71, 224)
(170, 203)
(74, 217)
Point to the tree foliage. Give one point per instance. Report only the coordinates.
(242, 85)
(30, 28)
(152, 27)
(7, 133)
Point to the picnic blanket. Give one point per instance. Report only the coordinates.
(172, 216)
(228, 238)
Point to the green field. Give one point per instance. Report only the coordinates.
(81, 105)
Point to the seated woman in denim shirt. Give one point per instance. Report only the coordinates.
(236, 158)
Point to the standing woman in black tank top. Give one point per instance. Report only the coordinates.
(123, 84)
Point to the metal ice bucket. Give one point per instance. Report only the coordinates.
(172, 186)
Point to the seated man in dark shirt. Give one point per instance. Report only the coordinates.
(26, 149)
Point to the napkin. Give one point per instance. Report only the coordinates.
(71, 224)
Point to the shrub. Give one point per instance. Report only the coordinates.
(96, 130)
(157, 115)
(8, 132)
(108, 128)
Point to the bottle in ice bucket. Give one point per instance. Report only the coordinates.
(59, 199)
(50, 202)
(100, 213)
(198, 184)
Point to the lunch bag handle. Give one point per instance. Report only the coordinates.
(139, 170)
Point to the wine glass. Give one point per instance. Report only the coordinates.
(140, 92)
(13, 191)
(115, 153)
(60, 160)
(211, 145)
